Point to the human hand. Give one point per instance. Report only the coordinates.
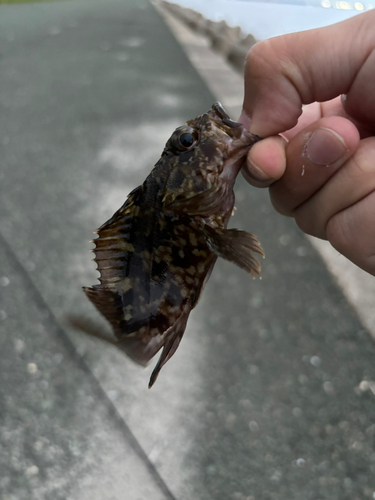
(322, 170)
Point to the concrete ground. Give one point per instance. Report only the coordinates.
(271, 394)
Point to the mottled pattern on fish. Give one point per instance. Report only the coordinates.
(157, 251)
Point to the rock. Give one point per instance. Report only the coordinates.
(214, 28)
(248, 41)
(195, 20)
(234, 32)
(222, 44)
(174, 8)
(236, 57)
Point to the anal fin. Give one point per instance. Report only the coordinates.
(173, 338)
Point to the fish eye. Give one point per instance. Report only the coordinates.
(182, 139)
(186, 140)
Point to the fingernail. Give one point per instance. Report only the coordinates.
(255, 176)
(245, 120)
(325, 147)
(256, 172)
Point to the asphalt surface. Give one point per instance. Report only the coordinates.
(271, 393)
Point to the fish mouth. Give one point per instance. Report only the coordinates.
(222, 119)
(238, 141)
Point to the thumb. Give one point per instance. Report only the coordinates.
(283, 73)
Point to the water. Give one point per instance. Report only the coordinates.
(266, 19)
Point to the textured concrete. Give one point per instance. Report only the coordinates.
(60, 435)
(271, 393)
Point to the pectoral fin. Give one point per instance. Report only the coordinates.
(236, 246)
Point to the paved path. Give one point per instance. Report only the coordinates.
(270, 395)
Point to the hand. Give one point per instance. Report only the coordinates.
(321, 170)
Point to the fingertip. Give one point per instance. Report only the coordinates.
(345, 128)
(266, 162)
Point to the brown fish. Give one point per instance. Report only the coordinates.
(157, 251)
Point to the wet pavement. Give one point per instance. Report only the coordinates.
(271, 394)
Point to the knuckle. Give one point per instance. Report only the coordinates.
(256, 51)
(305, 224)
(311, 223)
(279, 202)
(352, 233)
(338, 233)
(261, 57)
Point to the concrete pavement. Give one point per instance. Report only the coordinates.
(270, 394)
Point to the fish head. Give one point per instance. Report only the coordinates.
(203, 158)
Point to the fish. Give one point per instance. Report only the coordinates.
(156, 253)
